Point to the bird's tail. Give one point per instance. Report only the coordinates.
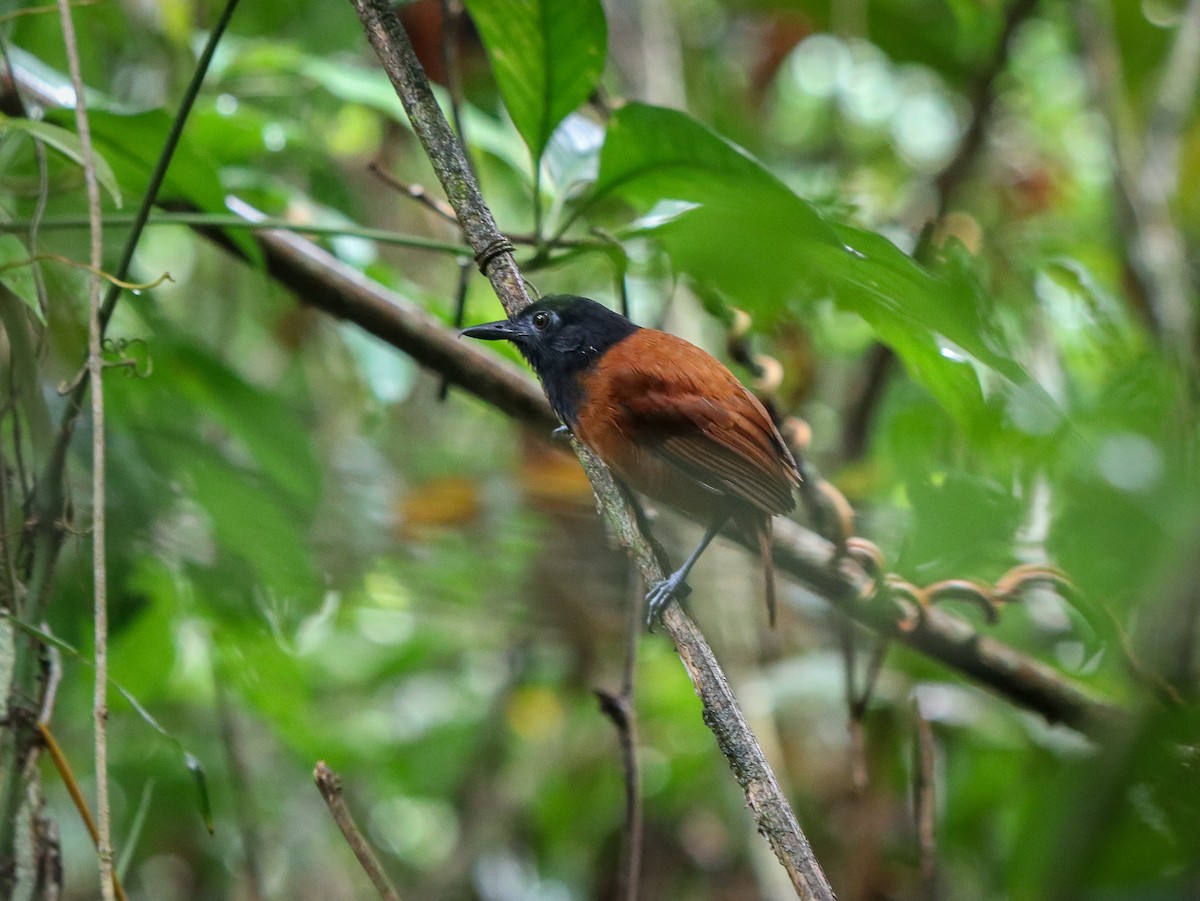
(768, 561)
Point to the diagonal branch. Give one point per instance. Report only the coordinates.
(493, 253)
(982, 96)
(320, 279)
(329, 784)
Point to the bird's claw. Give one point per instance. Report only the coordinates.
(561, 433)
(660, 595)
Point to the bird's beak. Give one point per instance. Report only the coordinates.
(503, 330)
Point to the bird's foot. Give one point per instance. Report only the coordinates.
(661, 594)
(562, 433)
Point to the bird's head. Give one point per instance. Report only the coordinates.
(562, 337)
(559, 335)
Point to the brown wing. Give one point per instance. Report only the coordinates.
(683, 406)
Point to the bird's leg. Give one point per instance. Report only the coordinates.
(660, 593)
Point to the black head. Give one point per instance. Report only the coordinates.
(562, 337)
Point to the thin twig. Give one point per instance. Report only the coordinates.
(1155, 250)
(53, 681)
(42, 10)
(619, 709)
(460, 311)
(440, 208)
(924, 808)
(854, 710)
(622, 710)
(330, 786)
(454, 15)
(72, 785)
(103, 836)
(983, 99)
(39, 213)
(775, 818)
(242, 787)
(10, 587)
(230, 220)
(33, 259)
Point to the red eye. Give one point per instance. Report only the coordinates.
(541, 319)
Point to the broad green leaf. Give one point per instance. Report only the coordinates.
(370, 87)
(20, 383)
(251, 521)
(737, 229)
(132, 144)
(68, 144)
(255, 418)
(190, 760)
(547, 56)
(963, 526)
(16, 272)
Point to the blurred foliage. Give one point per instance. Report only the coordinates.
(312, 558)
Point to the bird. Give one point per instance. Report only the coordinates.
(666, 417)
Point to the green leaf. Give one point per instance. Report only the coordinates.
(734, 227)
(365, 86)
(21, 381)
(132, 143)
(68, 144)
(257, 419)
(16, 273)
(652, 154)
(547, 56)
(196, 769)
(190, 760)
(963, 526)
(251, 520)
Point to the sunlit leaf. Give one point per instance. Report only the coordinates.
(736, 228)
(547, 56)
(370, 87)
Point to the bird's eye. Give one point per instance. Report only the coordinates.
(541, 319)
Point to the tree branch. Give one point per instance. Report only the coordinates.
(320, 279)
(330, 786)
(982, 97)
(493, 253)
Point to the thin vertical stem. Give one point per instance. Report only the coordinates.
(924, 804)
(95, 365)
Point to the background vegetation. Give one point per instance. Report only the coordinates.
(963, 229)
